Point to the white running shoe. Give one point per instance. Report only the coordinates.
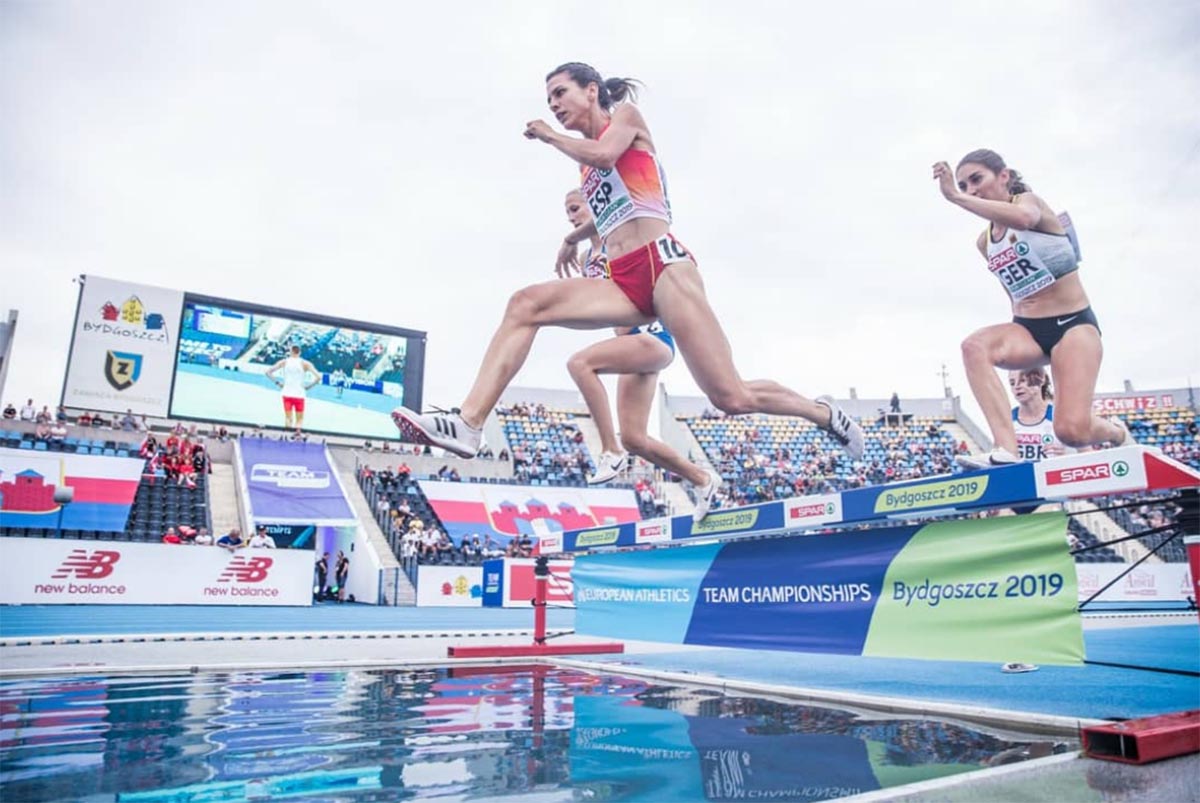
(706, 494)
(445, 430)
(844, 428)
(608, 466)
(996, 457)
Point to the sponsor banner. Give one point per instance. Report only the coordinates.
(811, 511)
(123, 348)
(292, 482)
(450, 586)
(46, 571)
(1091, 473)
(978, 590)
(504, 511)
(104, 489)
(510, 583)
(767, 516)
(1136, 403)
(652, 531)
(1158, 582)
(947, 493)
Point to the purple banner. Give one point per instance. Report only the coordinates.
(292, 482)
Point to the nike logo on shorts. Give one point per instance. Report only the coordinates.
(1065, 321)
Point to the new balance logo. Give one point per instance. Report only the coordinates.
(246, 570)
(87, 567)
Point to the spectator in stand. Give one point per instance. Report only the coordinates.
(403, 472)
(42, 432)
(503, 455)
(895, 402)
(342, 575)
(232, 540)
(443, 472)
(203, 537)
(321, 567)
(58, 432)
(149, 447)
(222, 434)
(29, 412)
(44, 416)
(10, 412)
(171, 537)
(98, 421)
(382, 506)
(61, 414)
(454, 476)
(200, 462)
(128, 422)
(410, 545)
(260, 539)
(491, 549)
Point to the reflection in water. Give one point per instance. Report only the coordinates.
(465, 732)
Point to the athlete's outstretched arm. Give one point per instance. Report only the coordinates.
(602, 153)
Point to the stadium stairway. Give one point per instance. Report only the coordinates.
(960, 435)
(677, 499)
(222, 498)
(406, 594)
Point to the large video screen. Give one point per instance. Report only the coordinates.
(235, 365)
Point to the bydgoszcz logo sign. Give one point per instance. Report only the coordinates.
(122, 368)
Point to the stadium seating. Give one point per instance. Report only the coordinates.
(546, 445)
(1173, 429)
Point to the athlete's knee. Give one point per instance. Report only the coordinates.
(635, 442)
(976, 350)
(737, 400)
(1073, 430)
(522, 306)
(578, 366)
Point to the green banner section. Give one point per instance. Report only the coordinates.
(999, 589)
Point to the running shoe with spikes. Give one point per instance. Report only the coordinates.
(443, 429)
(844, 429)
(992, 459)
(608, 466)
(706, 494)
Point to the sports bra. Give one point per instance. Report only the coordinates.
(1027, 262)
(634, 187)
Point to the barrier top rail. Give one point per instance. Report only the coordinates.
(1128, 469)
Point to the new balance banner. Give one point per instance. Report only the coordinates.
(1001, 589)
(104, 489)
(49, 571)
(467, 508)
(123, 349)
(292, 482)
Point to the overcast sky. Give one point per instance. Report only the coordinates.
(365, 160)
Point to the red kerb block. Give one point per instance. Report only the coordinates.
(1140, 741)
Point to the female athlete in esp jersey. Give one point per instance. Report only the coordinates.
(637, 356)
(1029, 251)
(653, 275)
(1033, 417)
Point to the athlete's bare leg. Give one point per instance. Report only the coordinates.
(635, 395)
(572, 303)
(684, 310)
(1075, 364)
(1005, 345)
(624, 354)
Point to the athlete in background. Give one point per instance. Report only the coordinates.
(1033, 417)
(637, 355)
(295, 384)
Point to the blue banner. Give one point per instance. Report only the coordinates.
(292, 482)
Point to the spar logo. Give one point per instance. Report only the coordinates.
(246, 570)
(1093, 471)
(808, 511)
(83, 565)
(652, 532)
